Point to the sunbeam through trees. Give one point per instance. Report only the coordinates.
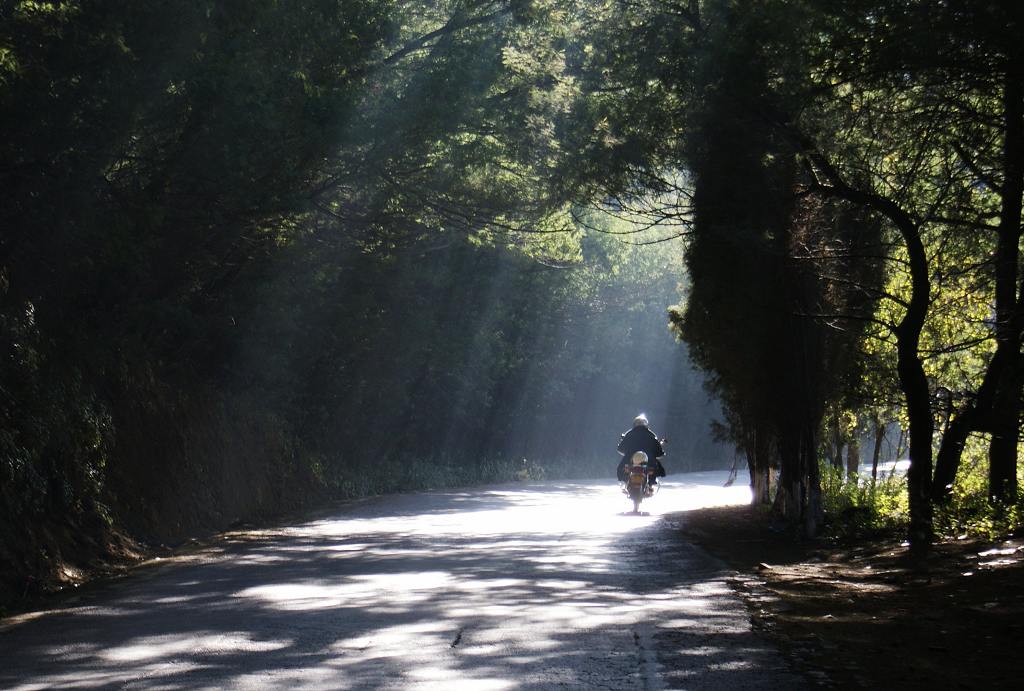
(254, 256)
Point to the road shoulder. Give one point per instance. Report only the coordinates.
(864, 616)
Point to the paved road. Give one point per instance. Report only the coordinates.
(513, 587)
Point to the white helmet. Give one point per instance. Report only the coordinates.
(640, 420)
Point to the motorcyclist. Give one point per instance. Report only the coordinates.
(641, 438)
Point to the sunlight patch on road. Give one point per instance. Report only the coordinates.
(356, 547)
(406, 588)
(173, 645)
(177, 599)
(528, 509)
(436, 676)
(535, 585)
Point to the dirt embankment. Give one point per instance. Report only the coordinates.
(867, 617)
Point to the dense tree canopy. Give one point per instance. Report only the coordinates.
(863, 158)
(251, 250)
(248, 248)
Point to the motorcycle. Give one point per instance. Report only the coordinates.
(639, 475)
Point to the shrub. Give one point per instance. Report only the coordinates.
(969, 511)
(861, 507)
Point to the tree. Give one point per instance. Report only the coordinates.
(798, 115)
(954, 70)
(755, 315)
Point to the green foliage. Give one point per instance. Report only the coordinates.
(251, 248)
(845, 158)
(771, 271)
(148, 151)
(969, 510)
(859, 507)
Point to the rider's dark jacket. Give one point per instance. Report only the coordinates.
(640, 439)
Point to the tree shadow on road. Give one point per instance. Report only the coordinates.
(393, 605)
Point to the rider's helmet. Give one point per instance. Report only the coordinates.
(640, 420)
(639, 458)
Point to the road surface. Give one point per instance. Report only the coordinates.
(527, 586)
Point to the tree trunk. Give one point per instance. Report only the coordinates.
(834, 443)
(947, 462)
(814, 510)
(975, 417)
(913, 382)
(1002, 452)
(760, 489)
(996, 408)
(876, 452)
(763, 464)
(758, 479)
(915, 389)
(1009, 318)
(787, 495)
(853, 457)
(798, 498)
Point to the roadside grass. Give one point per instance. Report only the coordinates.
(970, 512)
(859, 508)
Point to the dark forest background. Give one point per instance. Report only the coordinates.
(254, 255)
(260, 254)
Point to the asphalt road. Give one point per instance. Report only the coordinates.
(542, 585)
